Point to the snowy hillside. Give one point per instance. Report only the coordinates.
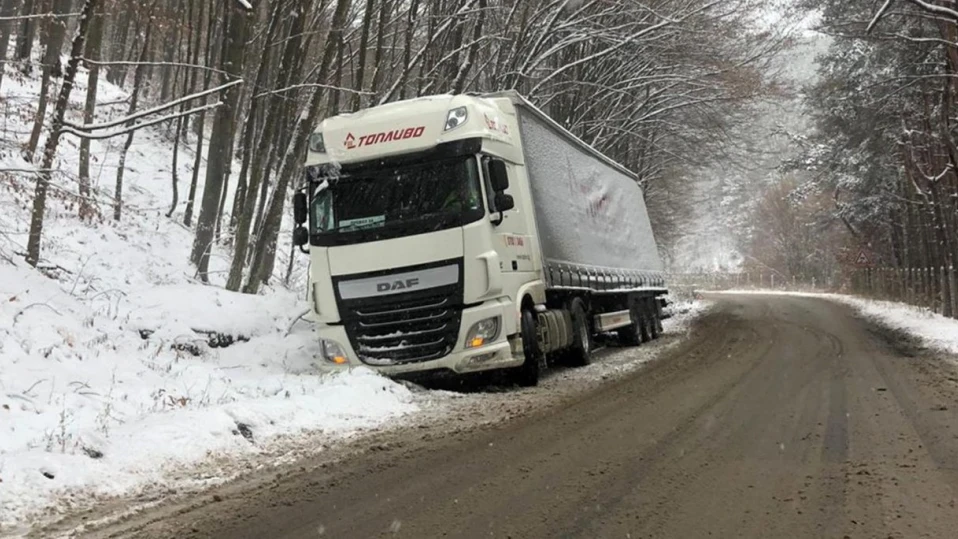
(108, 380)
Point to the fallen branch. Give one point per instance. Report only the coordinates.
(297, 319)
(21, 311)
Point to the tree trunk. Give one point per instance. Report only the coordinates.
(94, 45)
(407, 50)
(174, 173)
(56, 33)
(7, 9)
(378, 60)
(182, 124)
(221, 139)
(201, 122)
(40, 117)
(293, 158)
(358, 83)
(53, 140)
(121, 29)
(260, 158)
(459, 83)
(28, 29)
(138, 76)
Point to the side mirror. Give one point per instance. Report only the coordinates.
(300, 237)
(504, 202)
(300, 211)
(498, 176)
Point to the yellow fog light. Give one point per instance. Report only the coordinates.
(482, 332)
(332, 352)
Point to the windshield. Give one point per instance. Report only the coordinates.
(399, 201)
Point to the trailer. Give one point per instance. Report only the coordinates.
(456, 234)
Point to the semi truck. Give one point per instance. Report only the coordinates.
(462, 233)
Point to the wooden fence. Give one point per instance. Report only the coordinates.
(935, 289)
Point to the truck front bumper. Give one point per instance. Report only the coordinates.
(498, 354)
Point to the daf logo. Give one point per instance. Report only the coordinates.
(397, 285)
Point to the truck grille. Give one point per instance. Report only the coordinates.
(404, 328)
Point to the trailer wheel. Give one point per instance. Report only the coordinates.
(656, 316)
(646, 323)
(580, 354)
(631, 335)
(657, 308)
(527, 374)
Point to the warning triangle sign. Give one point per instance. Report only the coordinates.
(863, 259)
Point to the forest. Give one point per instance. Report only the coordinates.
(874, 179)
(662, 86)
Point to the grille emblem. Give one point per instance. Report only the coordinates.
(403, 284)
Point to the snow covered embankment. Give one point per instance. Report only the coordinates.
(89, 408)
(112, 374)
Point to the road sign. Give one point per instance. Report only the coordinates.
(863, 260)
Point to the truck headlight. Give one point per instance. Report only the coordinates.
(332, 352)
(316, 143)
(456, 117)
(482, 332)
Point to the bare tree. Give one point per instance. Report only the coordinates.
(138, 77)
(7, 9)
(93, 47)
(50, 149)
(55, 29)
(221, 139)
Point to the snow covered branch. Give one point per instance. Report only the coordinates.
(311, 85)
(150, 112)
(86, 134)
(152, 64)
(879, 14)
(40, 16)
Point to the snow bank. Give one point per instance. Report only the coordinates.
(109, 383)
(89, 408)
(933, 330)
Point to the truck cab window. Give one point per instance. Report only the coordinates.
(490, 194)
(399, 201)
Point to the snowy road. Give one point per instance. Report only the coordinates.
(780, 417)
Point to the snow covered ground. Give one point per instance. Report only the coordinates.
(933, 330)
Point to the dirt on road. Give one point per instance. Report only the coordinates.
(779, 417)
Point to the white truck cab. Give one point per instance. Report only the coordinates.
(425, 255)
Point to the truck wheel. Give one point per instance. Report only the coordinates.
(527, 374)
(656, 320)
(580, 354)
(631, 335)
(657, 309)
(645, 320)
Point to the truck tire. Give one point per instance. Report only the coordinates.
(658, 316)
(631, 335)
(645, 319)
(655, 321)
(527, 374)
(580, 354)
